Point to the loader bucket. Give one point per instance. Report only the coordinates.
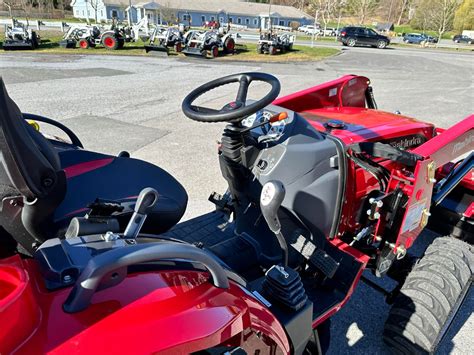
(9, 45)
(67, 43)
(157, 50)
(193, 51)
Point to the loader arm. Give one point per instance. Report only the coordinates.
(416, 187)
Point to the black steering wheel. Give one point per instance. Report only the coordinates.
(234, 111)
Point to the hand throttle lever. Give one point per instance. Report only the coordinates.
(144, 205)
(271, 198)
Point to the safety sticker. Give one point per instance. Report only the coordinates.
(414, 215)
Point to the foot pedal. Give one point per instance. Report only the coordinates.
(324, 262)
(221, 202)
(284, 285)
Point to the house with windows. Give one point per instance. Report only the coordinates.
(193, 12)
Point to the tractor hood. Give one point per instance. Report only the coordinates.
(354, 125)
(345, 100)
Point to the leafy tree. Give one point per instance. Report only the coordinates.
(436, 15)
(464, 16)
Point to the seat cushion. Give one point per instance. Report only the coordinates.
(92, 175)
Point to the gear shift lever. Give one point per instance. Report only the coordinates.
(273, 193)
(145, 203)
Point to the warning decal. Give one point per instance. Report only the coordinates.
(414, 215)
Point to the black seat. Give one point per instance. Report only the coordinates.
(118, 179)
(43, 188)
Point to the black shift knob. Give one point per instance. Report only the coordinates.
(271, 198)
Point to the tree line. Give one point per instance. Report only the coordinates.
(435, 15)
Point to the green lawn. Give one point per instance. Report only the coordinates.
(248, 52)
(50, 44)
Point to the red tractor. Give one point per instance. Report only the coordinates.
(321, 187)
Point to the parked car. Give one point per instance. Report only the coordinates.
(463, 39)
(354, 36)
(417, 38)
(328, 31)
(309, 29)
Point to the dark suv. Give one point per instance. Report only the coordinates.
(363, 36)
(462, 38)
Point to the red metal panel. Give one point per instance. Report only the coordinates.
(319, 96)
(450, 144)
(166, 311)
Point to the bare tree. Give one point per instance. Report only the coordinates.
(96, 6)
(436, 15)
(362, 8)
(404, 7)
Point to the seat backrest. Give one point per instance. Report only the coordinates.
(28, 159)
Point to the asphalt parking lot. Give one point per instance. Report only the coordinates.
(134, 103)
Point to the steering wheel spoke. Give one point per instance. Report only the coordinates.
(235, 111)
(244, 84)
(205, 110)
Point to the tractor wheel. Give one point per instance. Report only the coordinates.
(456, 41)
(229, 46)
(351, 42)
(178, 47)
(271, 50)
(84, 43)
(121, 43)
(110, 42)
(430, 297)
(214, 51)
(259, 49)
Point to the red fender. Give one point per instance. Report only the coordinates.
(163, 311)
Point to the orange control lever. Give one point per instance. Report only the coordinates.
(278, 117)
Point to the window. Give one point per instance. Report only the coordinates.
(221, 19)
(186, 17)
(239, 20)
(255, 21)
(289, 23)
(231, 20)
(213, 18)
(203, 19)
(247, 21)
(114, 13)
(281, 23)
(371, 32)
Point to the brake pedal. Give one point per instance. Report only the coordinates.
(221, 202)
(324, 262)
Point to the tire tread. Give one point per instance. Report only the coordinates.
(428, 296)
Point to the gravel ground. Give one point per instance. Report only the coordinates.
(134, 104)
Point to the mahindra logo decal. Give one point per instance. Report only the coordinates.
(407, 142)
(461, 145)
